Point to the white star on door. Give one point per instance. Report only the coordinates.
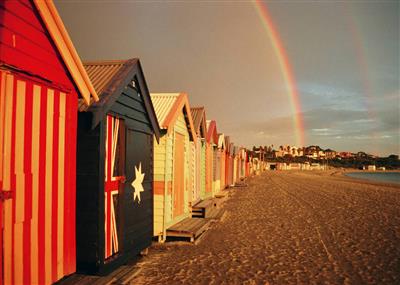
(137, 183)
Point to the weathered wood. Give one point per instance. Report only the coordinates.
(190, 228)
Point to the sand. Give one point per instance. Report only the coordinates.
(291, 228)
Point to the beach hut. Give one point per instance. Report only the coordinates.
(228, 162)
(200, 127)
(115, 167)
(213, 163)
(222, 155)
(236, 166)
(243, 162)
(248, 159)
(171, 161)
(41, 79)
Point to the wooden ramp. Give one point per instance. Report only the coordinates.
(188, 228)
(200, 209)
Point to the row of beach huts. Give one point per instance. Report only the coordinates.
(93, 167)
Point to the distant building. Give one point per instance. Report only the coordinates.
(330, 153)
(346, 154)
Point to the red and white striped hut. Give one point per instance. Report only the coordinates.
(41, 79)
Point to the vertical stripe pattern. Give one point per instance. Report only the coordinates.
(36, 168)
(111, 187)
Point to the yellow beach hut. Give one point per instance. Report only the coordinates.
(200, 127)
(222, 160)
(172, 158)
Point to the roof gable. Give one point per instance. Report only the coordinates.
(110, 78)
(59, 34)
(199, 121)
(221, 141)
(168, 107)
(212, 134)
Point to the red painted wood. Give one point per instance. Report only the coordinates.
(28, 182)
(54, 196)
(1, 236)
(25, 44)
(42, 176)
(1, 224)
(13, 178)
(70, 185)
(22, 45)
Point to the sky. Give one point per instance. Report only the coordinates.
(344, 58)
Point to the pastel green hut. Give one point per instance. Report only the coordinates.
(214, 164)
(172, 158)
(200, 127)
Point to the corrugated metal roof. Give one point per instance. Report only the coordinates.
(101, 72)
(197, 115)
(163, 103)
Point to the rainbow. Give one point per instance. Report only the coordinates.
(286, 69)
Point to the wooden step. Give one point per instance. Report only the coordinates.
(188, 228)
(200, 209)
(205, 203)
(198, 212)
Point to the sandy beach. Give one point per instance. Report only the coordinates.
(291, 228)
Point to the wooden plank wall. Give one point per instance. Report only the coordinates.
(38, 129)
(203, 170)
(88, 195)
(137, 220)
(26, 44)
(163, 176)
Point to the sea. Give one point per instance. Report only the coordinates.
(391, 177)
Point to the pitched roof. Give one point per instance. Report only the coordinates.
(227, 143)
(110, 78)
(59, 34)
(163, 104)
(212, 134)
(199, 121)
(102, 72)
(168, 106)
(221, 141)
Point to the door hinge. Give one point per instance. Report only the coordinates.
(5, 195)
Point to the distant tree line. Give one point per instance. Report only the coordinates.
(332, 158)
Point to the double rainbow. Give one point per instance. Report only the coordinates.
(286, 70)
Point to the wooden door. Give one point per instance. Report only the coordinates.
(179, 175)
(138, 191)
(37, 172)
